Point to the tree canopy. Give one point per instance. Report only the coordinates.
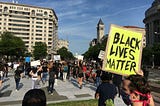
(11, 45)
(40, 50)
(65, 54)
(93, 51)
(150, 54)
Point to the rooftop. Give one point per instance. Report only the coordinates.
(16, 4)
(100, 22)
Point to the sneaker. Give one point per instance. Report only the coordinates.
(16, 90)
(51, 93)
(80, 87)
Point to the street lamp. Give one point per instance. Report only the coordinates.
(152, 61)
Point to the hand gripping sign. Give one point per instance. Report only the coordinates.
(123, 51)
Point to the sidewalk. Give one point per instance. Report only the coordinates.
(64, 91)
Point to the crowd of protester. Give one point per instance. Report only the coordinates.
(133, 89)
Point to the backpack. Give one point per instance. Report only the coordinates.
(109, 102)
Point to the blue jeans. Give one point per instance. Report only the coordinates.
(98, 81)
(51, 85)
(17, 80)
(44, 77)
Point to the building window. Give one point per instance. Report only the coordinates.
(38, 26)
(45, 13)
(38, 30)
(39, 22)
(49, 38)
(38, 38)
(50, 35)
(50, 23)
(49, 43)
(5, 9)
(33, 12)
(39, 18)
(39, 14)
(38, 34)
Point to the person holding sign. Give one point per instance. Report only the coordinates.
(138, 91)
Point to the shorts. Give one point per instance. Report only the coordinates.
(80, 75)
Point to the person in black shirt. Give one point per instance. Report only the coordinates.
(52, 76)
(106, 90)
(117, 80)
(98, 75)
(18, 74)
(45, 72)
(6, 70)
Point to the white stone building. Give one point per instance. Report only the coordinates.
(31, 23)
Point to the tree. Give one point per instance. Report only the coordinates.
(146, 56)
(40, 50)
(93, 51)
(65, 54)
(156, 53)
(11, 45)
(151, 54)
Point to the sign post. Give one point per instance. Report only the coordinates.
(123, 51)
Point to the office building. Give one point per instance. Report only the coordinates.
(152, 23)
(31, 23)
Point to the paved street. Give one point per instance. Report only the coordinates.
(64, 91)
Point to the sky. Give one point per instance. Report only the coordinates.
(77, 19)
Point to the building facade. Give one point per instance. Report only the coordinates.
(152, 23)
(31, 23)
(63, 43)
(138, 29)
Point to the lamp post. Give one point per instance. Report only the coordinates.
(152, 61)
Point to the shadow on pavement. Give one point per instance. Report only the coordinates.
(5, 87)
(20, 86)
(5, 80)
(6, 93)
(74, 82)
(54, 97)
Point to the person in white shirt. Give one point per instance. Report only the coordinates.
(34, 75)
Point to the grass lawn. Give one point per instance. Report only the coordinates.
(76, 103)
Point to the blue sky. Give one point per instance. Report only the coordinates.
(78, 18)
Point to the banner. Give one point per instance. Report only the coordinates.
(35, 63)
(123, 51)
(101, 54)
(57, 57)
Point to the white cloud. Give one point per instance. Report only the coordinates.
(125, 10)
(68, 13)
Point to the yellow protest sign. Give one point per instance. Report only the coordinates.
(123, 51)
